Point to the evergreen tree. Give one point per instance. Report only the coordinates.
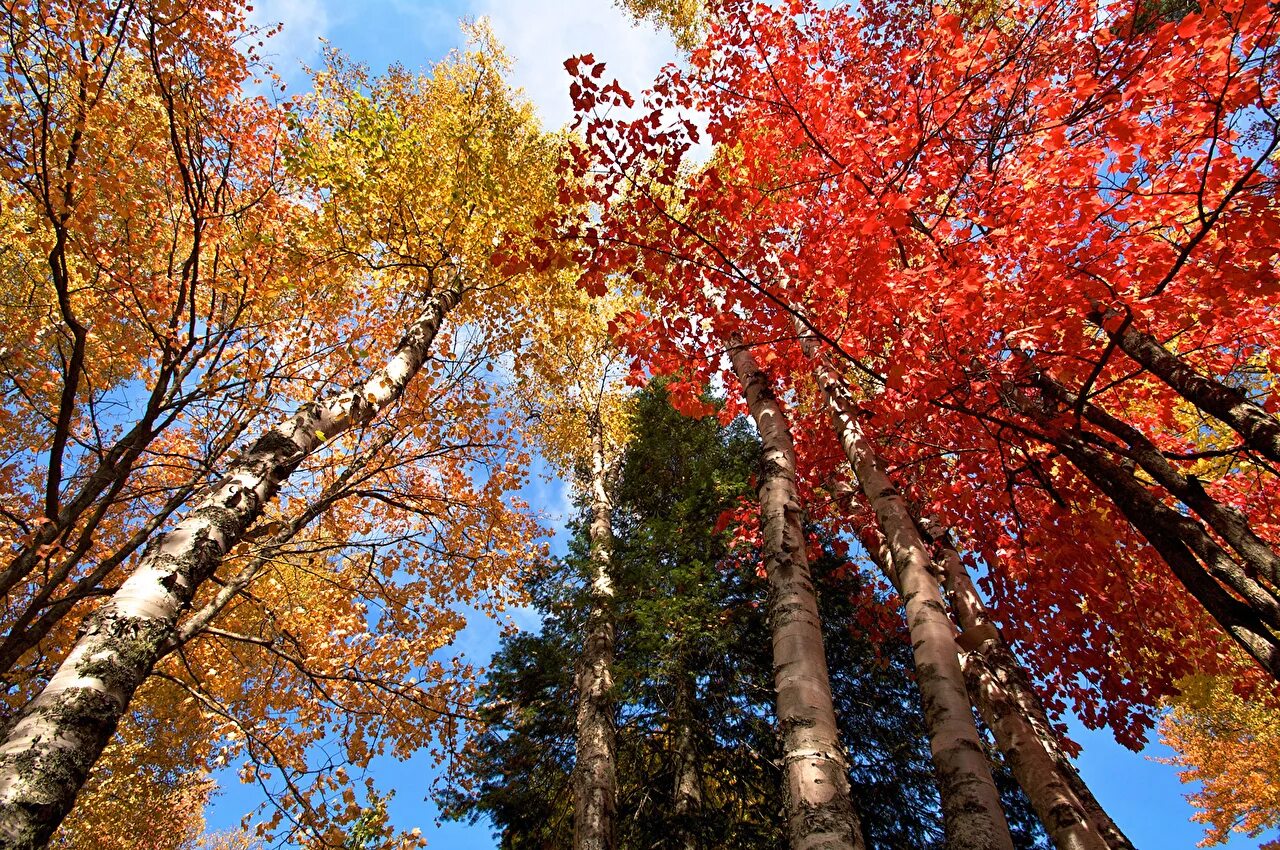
(697, 744)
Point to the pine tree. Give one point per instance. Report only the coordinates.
(693, 674)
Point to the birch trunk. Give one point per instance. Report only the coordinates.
(971, 809)
(1009, 705)
(820, 814)
(595, 783)
(53, 743)
(1259, 429)
(688, 787)
(998, 668)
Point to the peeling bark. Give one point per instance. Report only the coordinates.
(595, 782)
(819, 808)
(971, 809)
(55, 740)
(1009, 705)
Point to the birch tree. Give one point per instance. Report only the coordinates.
(570, 384)
(935, 250)
(820, 812)
(969, 797)
(465, 112)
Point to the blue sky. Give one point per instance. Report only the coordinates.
(1143, 796)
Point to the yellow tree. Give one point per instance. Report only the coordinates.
(142, 283)
(569, 381)
(150, 788)
(685, 18)
(331, 651)
(418, 180)
(1231, 745)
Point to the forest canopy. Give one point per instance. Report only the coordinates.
(908, 369)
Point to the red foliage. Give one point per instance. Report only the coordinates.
(948, 201)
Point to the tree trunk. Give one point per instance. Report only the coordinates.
(972, 814)
(55, 740)
(595, 782)
(820, 813)
(1259, 429)
(1179, 539)
(1230, 523)
(1008, 703)
(688, 786)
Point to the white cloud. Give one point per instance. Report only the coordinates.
(432, 22)
(541, 34)
(298, 42)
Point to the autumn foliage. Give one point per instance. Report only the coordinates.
(902, 180)
(1036, 240)
(1030, 251)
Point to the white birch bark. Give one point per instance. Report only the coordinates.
(819, 808)
(54, 742)
(1071, 815)
(595, 782)
(972, 814)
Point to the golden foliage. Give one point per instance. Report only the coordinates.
(569, 380)
(684, 18)
(149, 789)
(1230, 744)
(334, 653)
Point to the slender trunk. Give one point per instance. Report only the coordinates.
(55, 740)
(595, 782)
(1009, 705)
(1061, 813)
(979, 630)
(1259, 429)
(688, 787)
(820, 814)
(972, 814)
(61, 276)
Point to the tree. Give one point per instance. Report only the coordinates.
(969, 796)
(917, 555)
(684, 18)
(142, 277)
(815, 786)
(425, 273)
(691, 610)
(1228, 744)
(569, 381)
(954, 252)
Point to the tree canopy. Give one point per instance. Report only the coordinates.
(911, 367)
